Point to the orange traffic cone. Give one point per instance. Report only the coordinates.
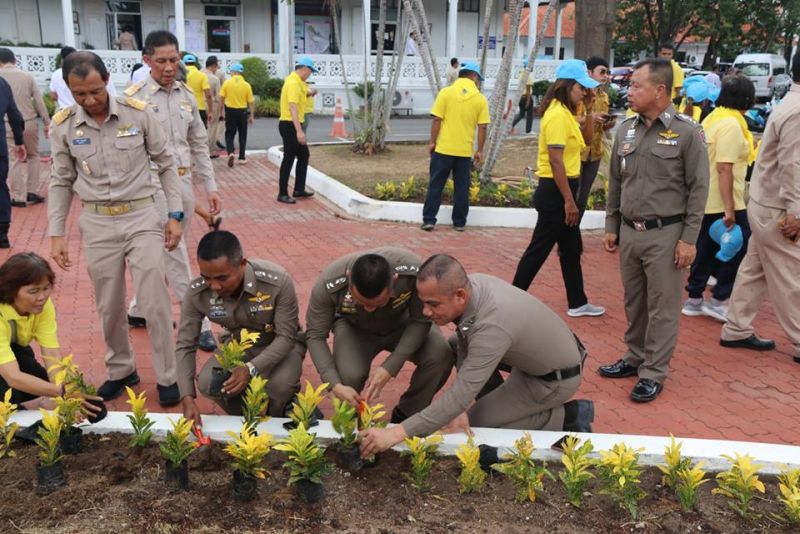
(338, 129)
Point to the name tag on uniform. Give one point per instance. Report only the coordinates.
(217, 312)
(668, 142)
(127, 132)
(186, 106)
(82, 141)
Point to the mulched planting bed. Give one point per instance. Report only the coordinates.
(113, 489)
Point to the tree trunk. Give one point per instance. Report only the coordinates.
(378, 94)
(423, 52)
(397, 64)
(487, 21)
(594, 22)
(334, 8)
(426, 39)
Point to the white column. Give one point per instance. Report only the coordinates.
(367, 11)
(533, 24)
(69, 30)
(559, 21)
(452, 26)
(285, 39)
(180, 24)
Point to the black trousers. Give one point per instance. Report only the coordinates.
(292, 150)
(204, 117)
(236, 122)
(551, 230)
(5, 196)
(526, 111)
(26, 360)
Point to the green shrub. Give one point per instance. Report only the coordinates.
(256, 74)
(358, 89)
(540, 87)
(272, 89)
(270, 107)
(49, 103)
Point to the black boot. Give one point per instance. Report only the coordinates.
(4, 235)
(578, 416)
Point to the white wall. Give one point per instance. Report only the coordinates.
(52, 26)
(257, 22)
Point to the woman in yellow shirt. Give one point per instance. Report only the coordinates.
(561, 141)
(27, 314)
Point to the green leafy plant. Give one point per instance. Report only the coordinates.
(358, 89)
(267, 107)
(474, 191)
(69, 410)
(66, 373)
(256, 74)
(472, 477)
(305, 459)
(231, 354)
(272, 89)
(344, 422)
(176, 447)
(523, 471)
(248, 451)
(687, 481)
(306, 404)
(500, 194)
(739, 483)
(407, 188)
(369, 416)
(141, 424)
(255, 402)
(7, 430)
(789, 486)
(674, 463)
(525, 193)
(49, 436)
(385, 190)
(576, 468)
(423, 454)
(619, 472)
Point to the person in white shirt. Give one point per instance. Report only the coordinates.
(59, 91)
(411, 46)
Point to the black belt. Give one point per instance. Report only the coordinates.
(641, 225)
(561, 374)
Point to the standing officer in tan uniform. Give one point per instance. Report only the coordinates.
(497, 325)
(772, 262)
(369, 300)
(175, 107)
(239, 293)
(102, 148)
(216, 121)
(656, 198)
(25, 189)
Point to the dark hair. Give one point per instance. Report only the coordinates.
(7, 56)
(594, 62)
(23, 269)
(159, 38)
(81, 64)
(796, 67)
(446, 270)
(220, 244)
(737, 92)
(65, 51)
(660, 71)
(371, 274)
(136, 66)
(559, 90)
(211, 61)
(669, 46)
(453, 61)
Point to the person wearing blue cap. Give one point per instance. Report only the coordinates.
(457, 111)
(696, 91)
(730, 150)
(294, 95)
(561, 141)
(198, 82)
(237, 98)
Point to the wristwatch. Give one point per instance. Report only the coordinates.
(177, 215)
(252, 369)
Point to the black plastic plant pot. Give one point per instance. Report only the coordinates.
(177, 476)
(370, 462)
(99, 416)
(71, 440)
(218, 377)
(310, 492)
(349, 458)
(49, 478)
(243, 486)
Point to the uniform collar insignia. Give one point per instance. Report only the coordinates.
(260, 297)
(668, 134)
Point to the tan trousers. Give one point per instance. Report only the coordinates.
(771, 266)
(653, 289)
(109, 243)
(354, 350)
(20, 182)
(215, 129)
(283, 382)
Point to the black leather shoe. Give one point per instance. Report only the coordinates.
(753, 343)
(646, 390)
(207, 341)
(488, 457)
(618, 369)
(19, 204)
(137, 322)
(796, 358)
(168, 395)
(303, 194)
(111, 389)
(33, 198)
(578, 416)
(286, 199)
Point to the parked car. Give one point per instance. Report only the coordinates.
(621, 75)
(783, 82)
(762, 70)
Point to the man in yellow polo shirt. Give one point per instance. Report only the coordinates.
(458, 109)
(197, 81)
(237, 97)
(667, 51)
(294, 98)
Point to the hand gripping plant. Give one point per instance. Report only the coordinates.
(304, 409)
(472, 476)
(674, 463)
(576, 468)
(255, 402)
(230, 356)
(370, 417)
(69, 410)
(248, 451)
(423, 454)
(141, 424)
(619, 471)
(739, 484)
(7, 430)
(521, 468)
(66, 373)
(50, 471)
(176, 448)
(306, 463)
(344, 422)
(789, 486)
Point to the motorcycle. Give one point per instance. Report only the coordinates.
(756, 117)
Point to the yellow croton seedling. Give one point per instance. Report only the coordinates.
(231, 354)
(7, 408)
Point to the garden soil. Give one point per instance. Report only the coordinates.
(113, 489)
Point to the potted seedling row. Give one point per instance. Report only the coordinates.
(230, 356)
(306, 463)
(305, 410)
(50, 470)
(344, 421)
(176, 448)
(69, 410)
(248, 451)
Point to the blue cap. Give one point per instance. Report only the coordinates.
(189, 58)
(730, 241)
(696, 88)
(713, 93)
(305, 61)
(575, 69)
(470, 66)
(236, 67)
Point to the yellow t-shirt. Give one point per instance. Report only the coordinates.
(697, 110)
(197, 82)
(461, 107)
(294, 91)
(726, 144)
(560, 129)
(40, 328)
(594, 151)
(236, 92)
(309, 107)
(677, 78)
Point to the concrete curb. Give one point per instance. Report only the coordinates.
(772, 457)
(354, 203)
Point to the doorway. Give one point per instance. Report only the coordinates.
(122, 16)
(221, 28)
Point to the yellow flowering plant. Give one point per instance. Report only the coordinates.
(472, 476)
(739, 483)
(65, 372)
(370, 416)
(231, 354)
(7, 430)
(687, 482)
(520, 467)
(141, 424)
(674, 463)
(255, 402)
(248, 451)
(576, 468)
(176, 447)
(69, 410)
(423, 453)
(306, 404)
(789, 486)
(619, 471)
(49, 436)
(305, 459)
(344, 422)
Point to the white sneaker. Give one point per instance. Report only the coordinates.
(715, 309)
(693, 307)
(711, 281)
(587, 310)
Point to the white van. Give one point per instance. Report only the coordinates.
(763, 70)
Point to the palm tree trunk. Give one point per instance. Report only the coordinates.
(423, 51)
(377, 93)
(426, 39)
(397, 63)
(334, 9)
(487, 20)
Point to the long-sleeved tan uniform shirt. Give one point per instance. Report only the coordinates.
(26, 93)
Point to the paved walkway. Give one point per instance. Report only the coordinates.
(712, 392)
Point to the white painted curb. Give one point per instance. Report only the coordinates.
(773, 458)
(359, 205)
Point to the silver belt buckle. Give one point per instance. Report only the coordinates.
(639, 226)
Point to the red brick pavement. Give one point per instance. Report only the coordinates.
(712, 392)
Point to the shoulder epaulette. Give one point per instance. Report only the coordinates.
(410, 270)
(686, 118)
(635, 116)
(135, 103)
(133, 89)
(198, 284)
(266, 275)
(63, 114)
(335, 284)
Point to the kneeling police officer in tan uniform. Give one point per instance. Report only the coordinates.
(238, 293)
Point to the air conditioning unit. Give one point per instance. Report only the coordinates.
(403, 102)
